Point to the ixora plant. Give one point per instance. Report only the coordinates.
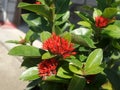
(70, 58)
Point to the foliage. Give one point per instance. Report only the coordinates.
(70, 58)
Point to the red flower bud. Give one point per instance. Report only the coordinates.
(101, 21)
(37, 2)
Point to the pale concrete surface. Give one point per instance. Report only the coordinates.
(10, 69)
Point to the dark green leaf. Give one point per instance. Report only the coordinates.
(38, 9)
(30, 62)
(62, 6)
(57, 79)
(77, 83)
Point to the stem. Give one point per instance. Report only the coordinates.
(52, 23)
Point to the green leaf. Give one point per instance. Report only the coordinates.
(57, 79)
(117, 23)
(36, 22)
(30, 74)
(67, 36)
(112, 31)
(96, 13)
(30, 62)
(38, 9)
(77, 83)
(13, 41)
(47, 55)
(28, 35)
(109, 12)
(74, 62)
(64, 72)
(84, 17)
(24, 50)
(62, 6)
(75, 69)
(116, 44)
(107, 86)
(93, 62)
(81, 31)
(84, 23)
(81, 36)
(101, 4)
(52, 86)
(44, 36)
(62, 18)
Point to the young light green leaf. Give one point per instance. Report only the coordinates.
(47, 55)
(44, 36)
(112, 31)
(96, 13)
(84, 23)
(109, 12)
(30, 74)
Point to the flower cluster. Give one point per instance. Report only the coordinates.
(101, 21)
(47, 67)
(59, 46)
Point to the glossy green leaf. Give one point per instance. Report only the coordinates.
(38, 9)
(96, 13)
(64, 72)
(25, 50)
(93, 62)
(44, 36)
(75, 69)
(30, 74)
(109, 12)
(83, 40)
(84, 23)
(77, 83)
(47, 55)
(112, 31)
(75, 62)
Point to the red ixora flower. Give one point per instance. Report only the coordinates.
(37, 2)
(101, 21)
(60, 46)
(47, 67)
